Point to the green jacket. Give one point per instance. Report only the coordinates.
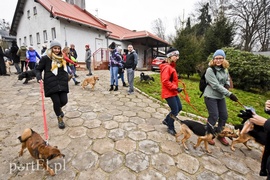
(215, 88)
(22, 53)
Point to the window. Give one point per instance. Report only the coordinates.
(31, 40)
(38, 38)
(45, 37)
(35, 10)
(28, 14)
(25, 40)
(53, 33)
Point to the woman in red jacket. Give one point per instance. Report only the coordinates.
(66, 56)
(170, 89)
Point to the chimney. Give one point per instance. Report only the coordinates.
(80, 3)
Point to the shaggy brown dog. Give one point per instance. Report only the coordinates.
(90, 80)
(38, 149)
(188, 127)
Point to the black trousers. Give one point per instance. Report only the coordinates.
(59, 100)
(217, 111)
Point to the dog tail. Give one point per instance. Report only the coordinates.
(176, 118)
(27, 133)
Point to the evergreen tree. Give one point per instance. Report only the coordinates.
(219, 35)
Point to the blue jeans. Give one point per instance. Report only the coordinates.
(114, 73)
(176, 106)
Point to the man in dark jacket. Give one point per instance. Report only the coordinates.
(130, 65)
(3, 71)
(16, 59)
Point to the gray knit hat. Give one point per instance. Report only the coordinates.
(55, 43)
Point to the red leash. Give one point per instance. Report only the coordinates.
(44, 113)
(187, 99)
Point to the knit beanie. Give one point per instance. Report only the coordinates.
(172, 52)
(55, 43)
(112, 45)
(219, 52)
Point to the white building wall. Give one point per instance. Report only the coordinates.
(67, 33)
(36, 24)
(73, 33)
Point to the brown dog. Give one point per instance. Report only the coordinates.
(90, 80)
(8, 64)
(248, 132)
(38, 148)
(188, 127)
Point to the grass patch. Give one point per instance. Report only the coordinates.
(192, 86)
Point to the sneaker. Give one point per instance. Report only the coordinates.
(223, 141)
(77, 82)
(76, 76)
(89, 74)
(171, 131)
(129, 93)
(211, 142)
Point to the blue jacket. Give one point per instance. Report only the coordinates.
(115, 59)
(32, 56)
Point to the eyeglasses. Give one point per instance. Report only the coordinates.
(219, 59)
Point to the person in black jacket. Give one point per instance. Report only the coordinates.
(3, 71)
(16, 59)
(130, 65)
(261, 121)
(55, 79)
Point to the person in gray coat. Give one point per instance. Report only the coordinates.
(88, 59)
(215, 93)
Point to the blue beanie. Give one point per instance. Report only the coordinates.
(219, 52)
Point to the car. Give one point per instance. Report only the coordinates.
(156, 62)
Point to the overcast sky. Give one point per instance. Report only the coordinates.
(134, 15)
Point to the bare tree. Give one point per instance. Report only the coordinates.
(252, 22)
(4, 25)
(158, 28)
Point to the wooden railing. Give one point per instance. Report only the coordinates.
(101, 58)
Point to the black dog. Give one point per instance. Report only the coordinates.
(28, 75)
(146, 78)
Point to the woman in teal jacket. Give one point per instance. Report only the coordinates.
(215, 93)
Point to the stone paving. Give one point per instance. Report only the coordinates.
(109, 135)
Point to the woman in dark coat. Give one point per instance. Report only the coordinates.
(16, 59)
(3, 71)
(55, 79)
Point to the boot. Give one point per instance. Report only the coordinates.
(61, 123)
(116, 88)
(124, 84)
(62, 113)
(77, 82)
(111, 88)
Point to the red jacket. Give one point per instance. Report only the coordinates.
(169, 80)
(67, 59)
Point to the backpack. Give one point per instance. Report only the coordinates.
(203, 83)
